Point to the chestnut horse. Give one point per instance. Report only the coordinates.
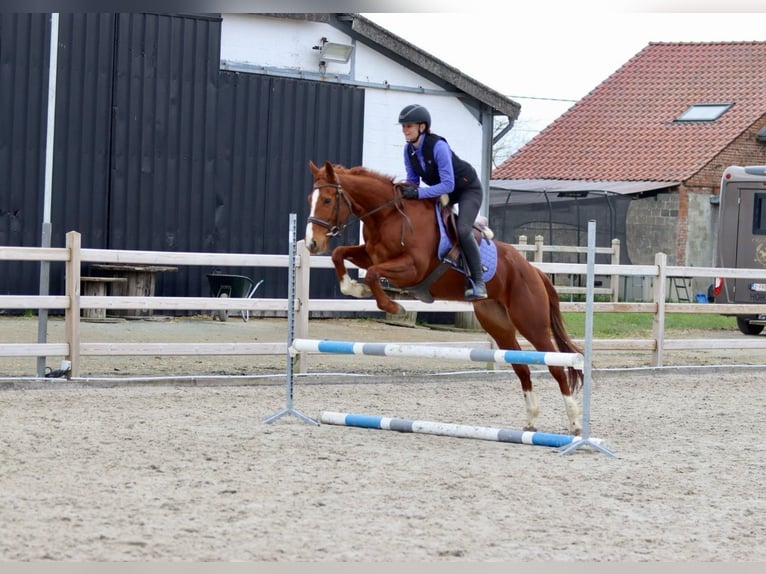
(401, 238)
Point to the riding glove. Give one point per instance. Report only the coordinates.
(409, 191)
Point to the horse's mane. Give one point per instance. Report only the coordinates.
(361, 170)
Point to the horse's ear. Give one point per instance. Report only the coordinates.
(329, 170)
(314, 168)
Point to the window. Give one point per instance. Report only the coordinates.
(703, 113)
(759, 214)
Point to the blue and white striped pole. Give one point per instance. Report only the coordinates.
(448, 429)
(554, 359)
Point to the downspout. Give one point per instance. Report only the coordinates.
(485, 173)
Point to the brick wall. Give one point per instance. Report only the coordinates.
(744, 150)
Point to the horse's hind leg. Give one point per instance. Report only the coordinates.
(530, 398)
(573, 410)
(574, 413)
(494, 318)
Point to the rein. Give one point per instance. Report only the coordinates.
(333, 230)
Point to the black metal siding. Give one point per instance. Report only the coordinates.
(163, 145)
(24, 46)
(83, 128)
(269, 129)
(164, 130)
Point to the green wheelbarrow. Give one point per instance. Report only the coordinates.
(226, 286)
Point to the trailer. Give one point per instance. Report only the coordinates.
(742, 241)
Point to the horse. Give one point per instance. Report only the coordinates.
(401, 238)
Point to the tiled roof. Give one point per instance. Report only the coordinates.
(624, 129)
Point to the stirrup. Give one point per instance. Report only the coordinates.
(476, 290)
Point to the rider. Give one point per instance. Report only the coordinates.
(428, 157)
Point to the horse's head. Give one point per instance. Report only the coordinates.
(329, 207)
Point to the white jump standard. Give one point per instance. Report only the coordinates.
(553, 359)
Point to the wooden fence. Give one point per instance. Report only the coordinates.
(72, 302)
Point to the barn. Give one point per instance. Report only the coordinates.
(193, 132)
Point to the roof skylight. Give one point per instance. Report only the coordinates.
(703, 112)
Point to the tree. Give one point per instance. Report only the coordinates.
(511, 141)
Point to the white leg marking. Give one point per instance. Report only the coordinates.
(533, 409)
(575, 414)
(346, 286)
(353, 288)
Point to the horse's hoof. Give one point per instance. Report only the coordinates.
(396, 310)
(530, 428)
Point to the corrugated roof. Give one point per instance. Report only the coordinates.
(578, 186)
(624, 130)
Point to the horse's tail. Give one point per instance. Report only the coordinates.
(560, 335)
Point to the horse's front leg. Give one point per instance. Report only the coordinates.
(357, 255)
(400, 271)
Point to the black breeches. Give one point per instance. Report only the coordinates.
(469, 204)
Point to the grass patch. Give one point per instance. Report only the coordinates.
(639, 325)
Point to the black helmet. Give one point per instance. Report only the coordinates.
(415, 114)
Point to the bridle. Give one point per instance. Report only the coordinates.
(335, 229)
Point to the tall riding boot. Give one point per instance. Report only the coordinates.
(477, 288)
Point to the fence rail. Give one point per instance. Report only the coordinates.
(72, 302)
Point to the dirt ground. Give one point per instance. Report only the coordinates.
(121, 469)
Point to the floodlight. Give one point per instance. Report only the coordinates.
(334, 51)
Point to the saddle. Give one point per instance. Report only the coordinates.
(448, 213)
(452, 258)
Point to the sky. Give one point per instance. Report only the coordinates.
(551, 53)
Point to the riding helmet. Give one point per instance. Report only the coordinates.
(415, 114)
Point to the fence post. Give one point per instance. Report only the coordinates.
(615, 282)
(72, 312)
(539, 248)
(658, 323)
(523, 241)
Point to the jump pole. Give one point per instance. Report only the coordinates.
(553, 359)
(449, 429)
